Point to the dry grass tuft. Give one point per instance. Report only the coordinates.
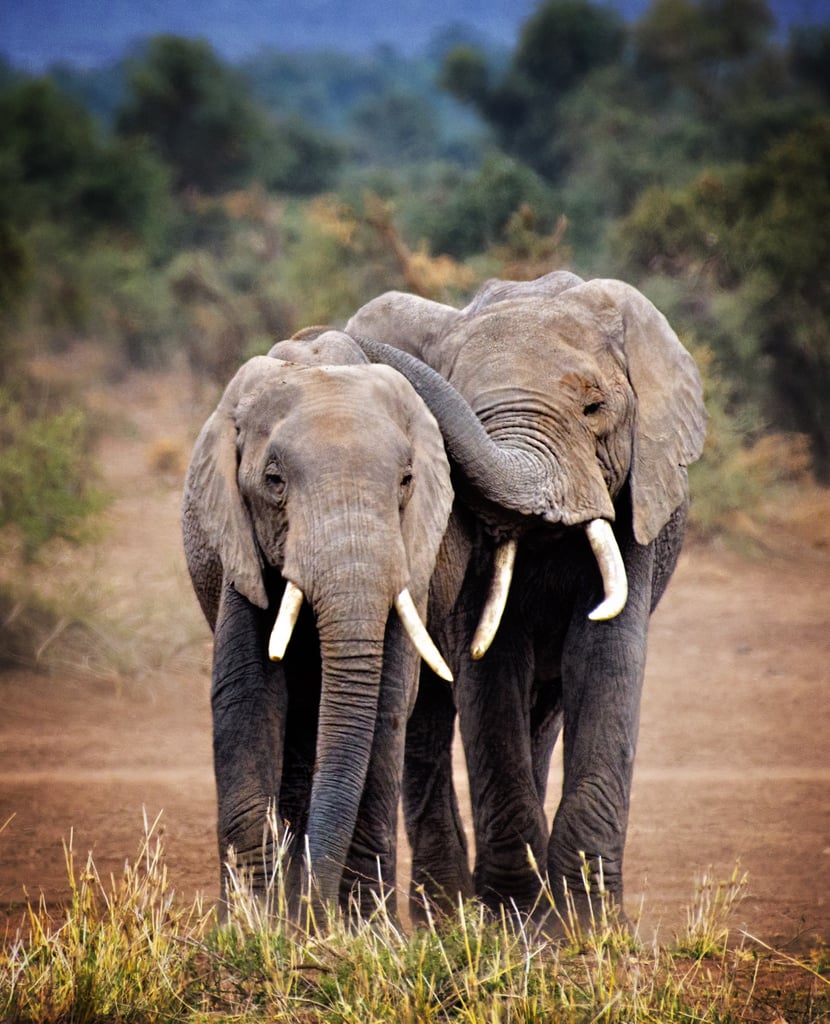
(125, 950)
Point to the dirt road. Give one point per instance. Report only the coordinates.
(733, 764)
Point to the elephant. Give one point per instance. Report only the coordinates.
(570, 411)
(315, 501)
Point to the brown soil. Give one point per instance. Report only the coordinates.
(734, 762)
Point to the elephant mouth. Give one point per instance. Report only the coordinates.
(611, 567)
(292, 602)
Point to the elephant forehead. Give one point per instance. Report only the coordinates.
(340, 412)
(517, 347)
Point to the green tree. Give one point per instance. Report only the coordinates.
(197, 112)
(204, 122)
(753, 241)
(559, 47)
(54, 165)
(476, 211)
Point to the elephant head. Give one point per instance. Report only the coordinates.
(327, 485)
(552, 395)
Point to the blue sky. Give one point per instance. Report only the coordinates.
(37, 33)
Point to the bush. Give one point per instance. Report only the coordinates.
(46, 484)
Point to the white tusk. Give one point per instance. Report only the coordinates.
(292, 602)
(488, 625)
(612, 569)
(417, 632)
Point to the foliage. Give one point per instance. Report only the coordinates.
(53, 165)
(128, 950)
(475, 212)
(206, 126)
(561, 44)
(752, 239)
(684, 151)
(620, 108)
(45, 489)
(368, 102)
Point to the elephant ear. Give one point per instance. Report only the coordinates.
(425, 517)
(212, 501)
(407, 322)
(671, 419)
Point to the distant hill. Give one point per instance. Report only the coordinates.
(35, 34)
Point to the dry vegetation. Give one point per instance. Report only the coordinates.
(127, 950)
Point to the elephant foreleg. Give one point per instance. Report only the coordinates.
(508, 815)
(440, 863)
(602, 670)
(249, 703)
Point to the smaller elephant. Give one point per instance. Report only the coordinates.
(315, 502)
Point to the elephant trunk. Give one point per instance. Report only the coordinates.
(512, 478)
(348, 713)
(515, 478)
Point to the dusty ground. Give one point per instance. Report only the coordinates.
(734, 758)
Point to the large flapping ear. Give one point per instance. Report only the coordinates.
(671, 419)
(212, 495)
(407, 322)
(425, 516)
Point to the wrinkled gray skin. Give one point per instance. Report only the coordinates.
(591, 408)
(334, 478)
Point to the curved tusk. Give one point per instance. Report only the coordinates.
(614, 581)
(292, 602)
(417, 632)
(488, 625)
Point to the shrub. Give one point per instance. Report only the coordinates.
(47, 486)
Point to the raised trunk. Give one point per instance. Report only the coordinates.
(508, 477)
(512, 477)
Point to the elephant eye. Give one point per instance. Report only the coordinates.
(592, 407)
(406, 487)
(274, 480)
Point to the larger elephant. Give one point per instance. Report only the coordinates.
(315, 502)
(570, 410)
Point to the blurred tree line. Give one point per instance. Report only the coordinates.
(174, 205)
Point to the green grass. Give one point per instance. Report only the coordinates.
(127, 950)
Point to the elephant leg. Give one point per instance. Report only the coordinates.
(602, 671)
(249, 704)
(371, 868)
(494, 710)
(440, 862)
